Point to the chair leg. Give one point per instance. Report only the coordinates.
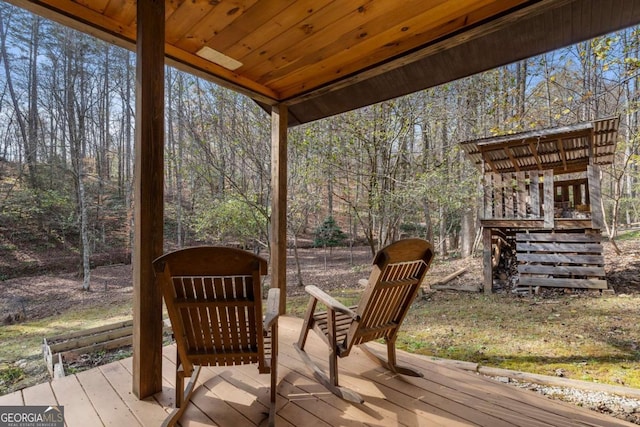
(182, 395)
(390, 363)
(308, 322)
(321, 376)
(179, 385)
(274, 374)
(331, 383)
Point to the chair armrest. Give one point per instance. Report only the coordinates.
(330, 302)
(273, 308)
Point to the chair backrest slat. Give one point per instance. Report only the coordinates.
(393, 284)
(213, 296)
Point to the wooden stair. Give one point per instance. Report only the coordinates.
(560, 260)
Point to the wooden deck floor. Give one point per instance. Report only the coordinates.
(239, 396)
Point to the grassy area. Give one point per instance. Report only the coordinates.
(580, 337)
(629, 235)
(23, 341)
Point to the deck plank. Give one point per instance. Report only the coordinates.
(494, 405)
(244, 399)
(12, 399)
(298, 416)
(244, 377)
(563, 413)
(147, 411)
(454, 404)
(40, 394)
(107, 403)
(378, 390)
(470, 386)
(77, 407)
(373, 410)
(396, 407)
(216, 407)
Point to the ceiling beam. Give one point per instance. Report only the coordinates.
(534, 152)
(509, 154)
(563, 155)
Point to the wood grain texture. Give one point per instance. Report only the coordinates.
(148, 195)
(279, 118)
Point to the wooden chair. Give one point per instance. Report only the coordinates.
(214, 299)
(395, 279)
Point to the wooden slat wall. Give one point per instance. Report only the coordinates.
(521, 194)
(488, 196)
(566, 260)
(593, 176)
(515, 195)
(533, 195)
(548, 199)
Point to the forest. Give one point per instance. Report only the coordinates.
(395, 169)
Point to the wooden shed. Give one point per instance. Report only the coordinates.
(541, 197)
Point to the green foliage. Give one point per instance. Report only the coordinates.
(10, 374)
(43, 211)
(25, 203)
(413, 229)
(329, 234)
(630, 235)
(229, 219)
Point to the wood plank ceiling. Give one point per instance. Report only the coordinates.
(324, 57)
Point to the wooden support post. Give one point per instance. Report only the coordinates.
(148, 196)
(498, 211)
(595, 196)
(577, 195)
(521, 195)
(279, 120)
(565, 196)
(534, 192)
(548, 199)
(509, 201)
(488, 197)
(482, 194)
(487, 267)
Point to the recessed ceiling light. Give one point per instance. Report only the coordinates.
(219, 58)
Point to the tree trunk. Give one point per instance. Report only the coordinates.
(22, 125)
(32, 143)
(84, 232)
(297, 260)
(75, 109)
(467, 232)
